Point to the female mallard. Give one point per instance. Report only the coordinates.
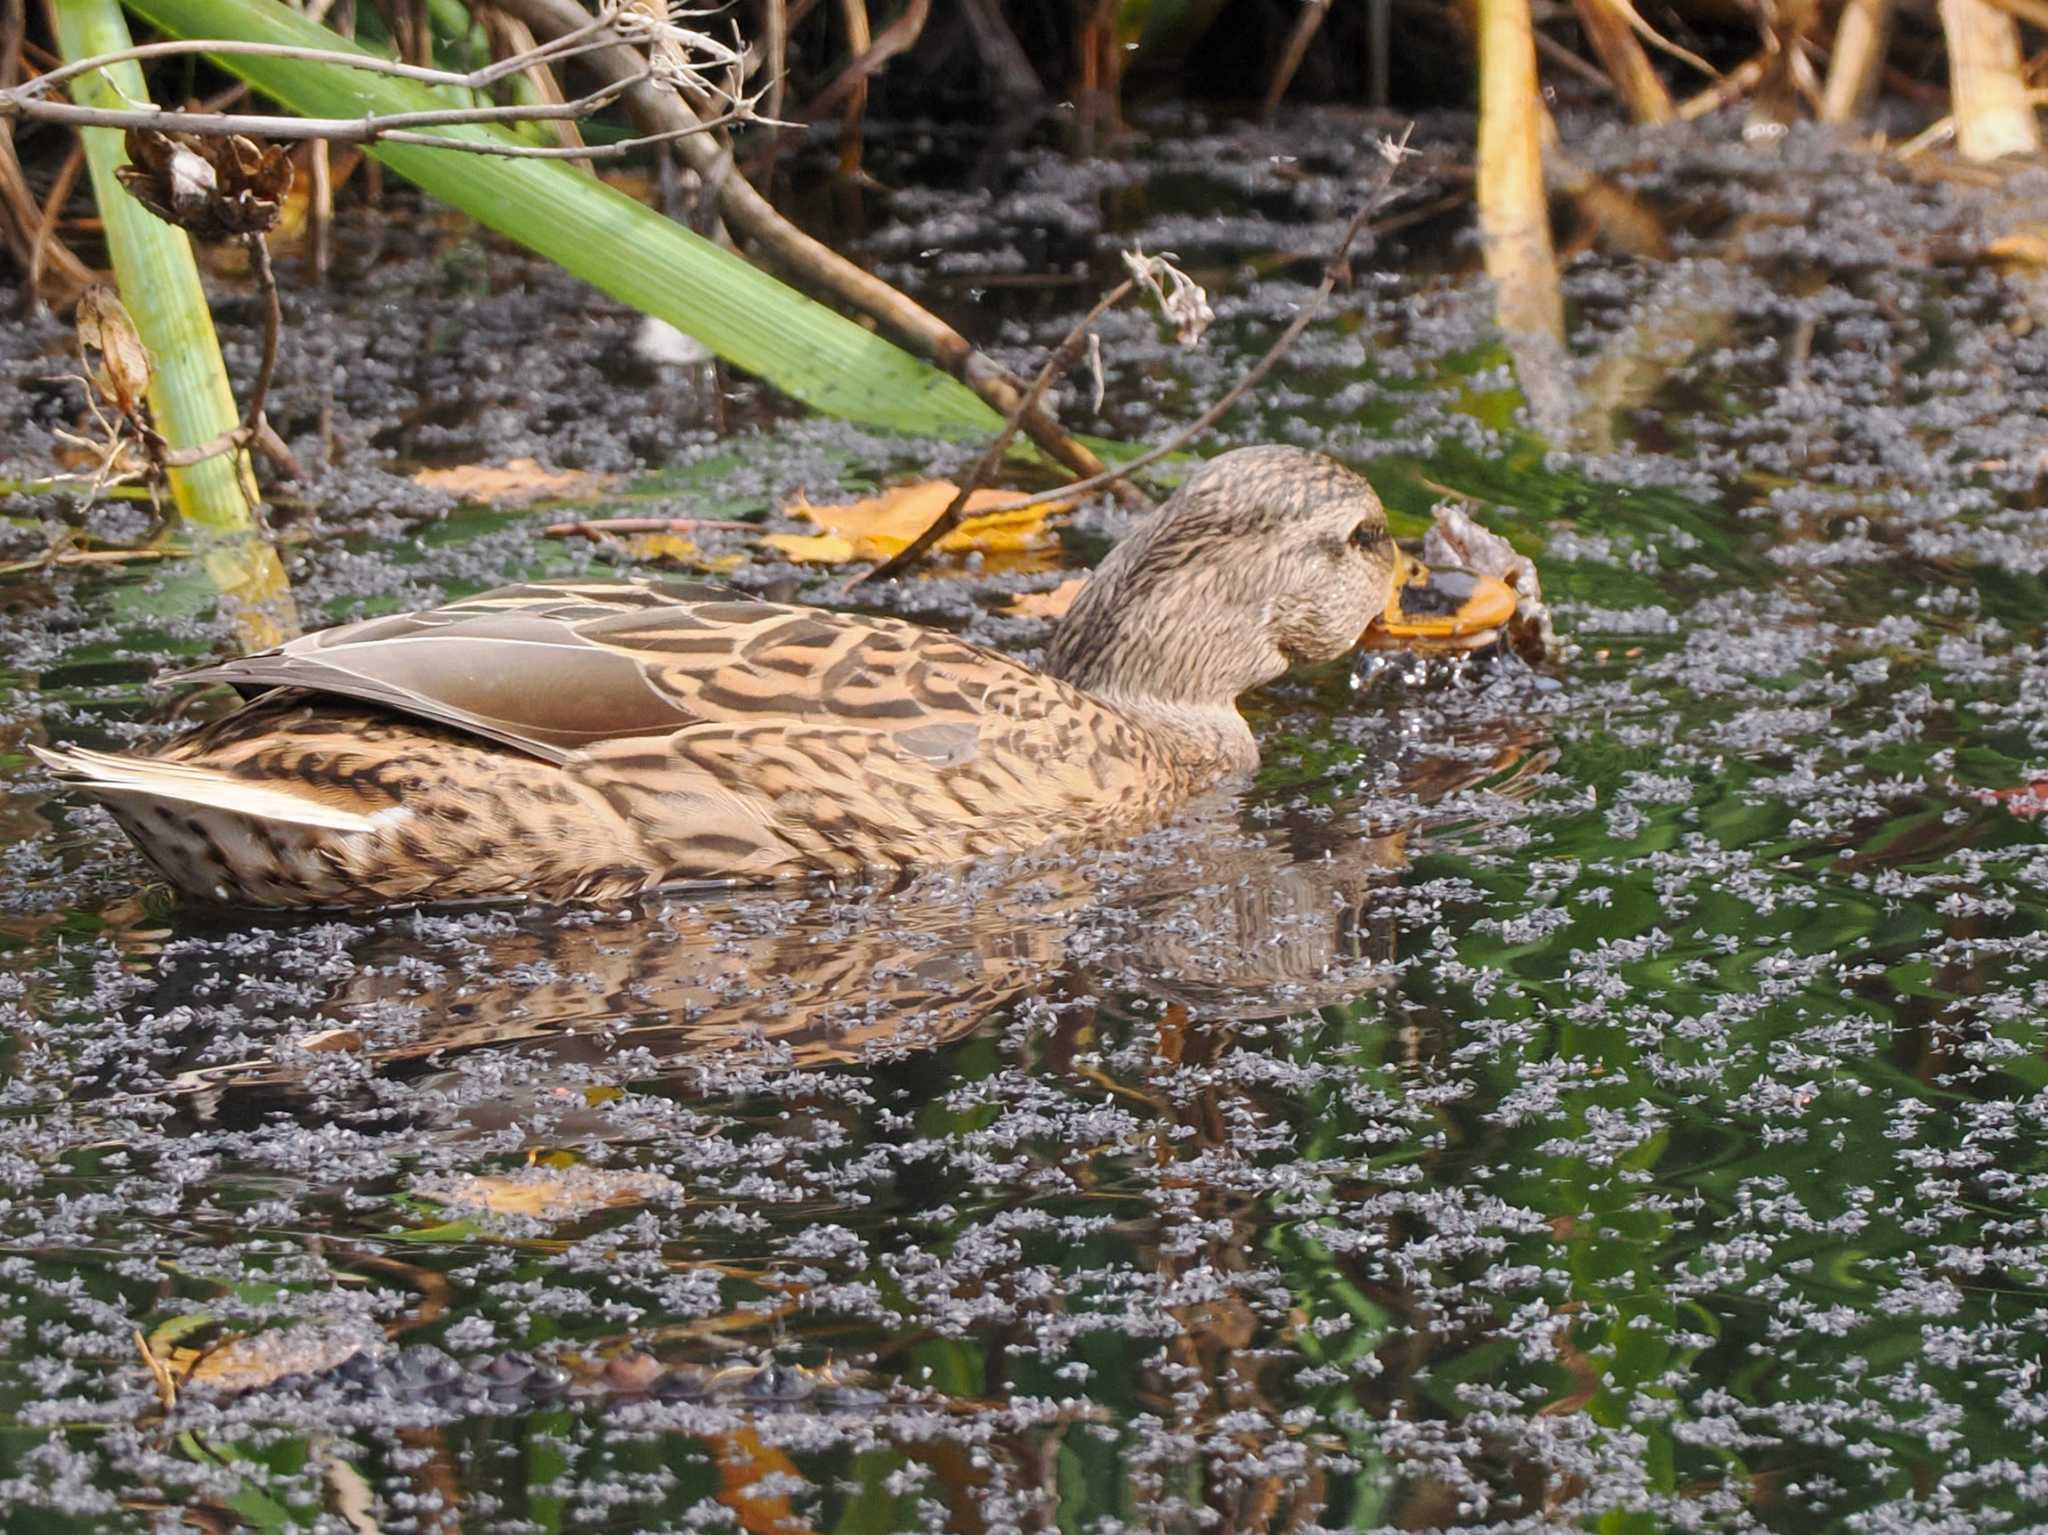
(571, 740)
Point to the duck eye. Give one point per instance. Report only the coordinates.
(1366, 536)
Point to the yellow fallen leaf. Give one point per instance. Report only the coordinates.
(812, 548)
(664, 546)
(2023, 247)
(1052, 604)
(512, 484)
(879, 526)
(548, 1193)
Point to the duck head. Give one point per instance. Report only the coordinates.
(1266, 558)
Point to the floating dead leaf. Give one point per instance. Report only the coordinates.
(1052, 604)
(1454, 539)
(249, 1364)
(814, 548)
(550, 1193)
(879, 526)
(513, 484)
(333, 1039)
(665, 546)
(1443, 609)
(675, 549)
(2023, 247)
(121, 372)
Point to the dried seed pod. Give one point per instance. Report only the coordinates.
(213, 188)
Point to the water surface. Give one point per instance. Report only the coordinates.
(1611, 1098)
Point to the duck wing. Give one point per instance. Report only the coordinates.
(554, 670)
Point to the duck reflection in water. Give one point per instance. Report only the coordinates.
(1229, 920)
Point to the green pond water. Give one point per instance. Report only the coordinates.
(1607, 1098)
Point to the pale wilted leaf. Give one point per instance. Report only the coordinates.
(550, 1193)
(1179, 297)
(248, 1364)
(122, 371)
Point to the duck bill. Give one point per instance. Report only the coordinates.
(1444, 610)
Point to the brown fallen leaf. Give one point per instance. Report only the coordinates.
(1455, 539)
(513, 484)
(550, 1193)
(879, 526)
(1052, 604)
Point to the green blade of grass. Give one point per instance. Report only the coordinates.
(603, 236)
(190, 398)
(189, 394)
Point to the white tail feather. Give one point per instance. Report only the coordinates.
(111, 777)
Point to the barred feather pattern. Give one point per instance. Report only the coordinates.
(591, 740)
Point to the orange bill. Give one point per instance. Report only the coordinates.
(1449, 609)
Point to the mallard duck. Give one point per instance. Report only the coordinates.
(571, 740)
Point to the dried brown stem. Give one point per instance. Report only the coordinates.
(1061, 359)
(775, 42)
(1621, 51)
(1730, 88)
(53, 205)
(1562, 56)
(1992, 114)
(1857, 62)
(859, 39)
(53, 559)
(266, 285)
(898, 37)
(166, 1387)
(320, 210)
(1514, 211)
(1311, 22)
(514, 39)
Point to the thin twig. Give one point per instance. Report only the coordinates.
(897, 37)
(1311, 21)
(673, 67)
(597, 530)
(1062, 358)
(266, 285)
(475, 80)
(65, 558)
(377, 130)
(53, 205)
(1334, 270)
(256, 429)
(166, 1387)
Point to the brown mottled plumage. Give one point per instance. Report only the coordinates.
(571, 740)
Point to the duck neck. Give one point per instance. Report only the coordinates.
(1170, 655)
